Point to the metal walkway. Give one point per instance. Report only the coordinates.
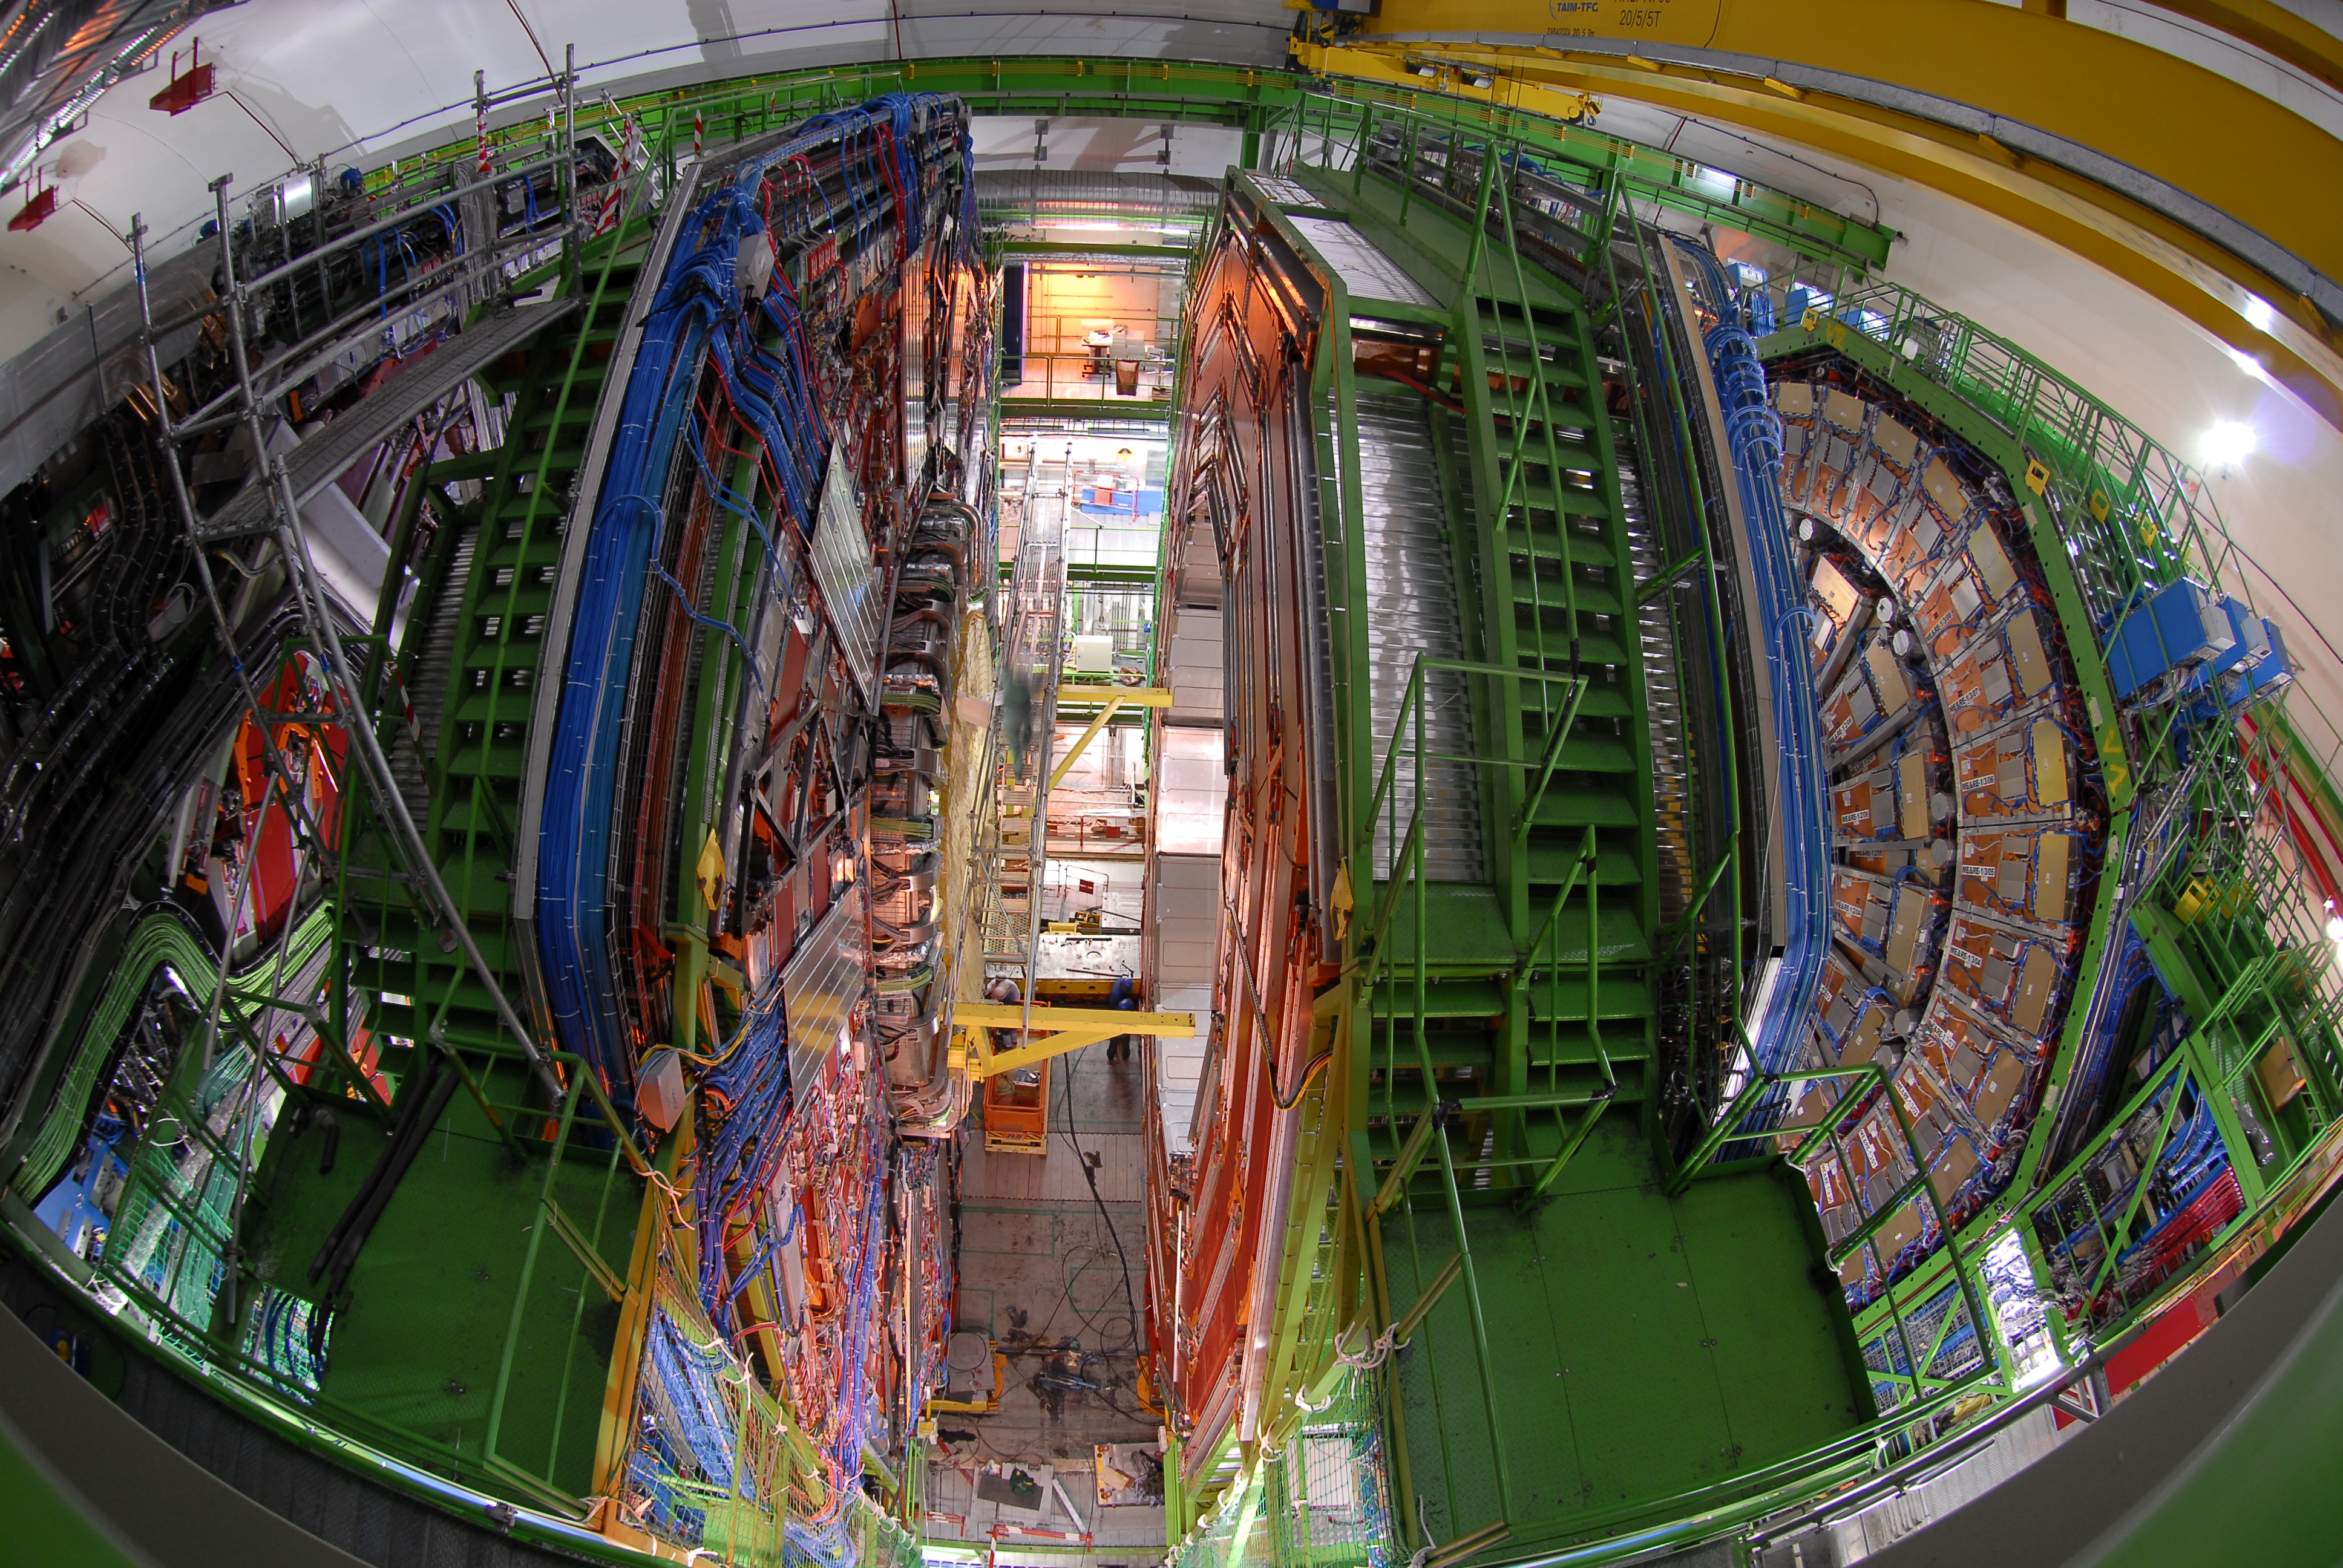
(419, 384)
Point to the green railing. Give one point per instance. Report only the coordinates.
(2135, 514)
(1321, 1499)
(1263, 103)
(1328, 127)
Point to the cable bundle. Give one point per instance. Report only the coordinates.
(744, 1105)
(698, 320)
(573, 869)
(749, 394)
(1801, 796)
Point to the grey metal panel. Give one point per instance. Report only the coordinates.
(1285, 192)
(1194, 659)
(1365, 271)
(1049, 191)
(822, 984)
(849, 583)
(1184, 920)
(404, 392)
(1411, 609)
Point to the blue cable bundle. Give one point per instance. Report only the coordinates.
(855, 1393)
(581, 783)
(697, 314)
(689, 1375)
(2126, 971)
(747, 1097)
(1801, 793)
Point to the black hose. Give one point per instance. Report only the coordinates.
(419, 1109)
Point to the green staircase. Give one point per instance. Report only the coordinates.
(1542, 985)
(473, 650)
(1584, 1349)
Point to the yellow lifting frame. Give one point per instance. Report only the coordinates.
(1071, 1028)
(1117, 696)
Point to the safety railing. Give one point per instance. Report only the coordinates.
(176, 1276)
(1319, 1499)
(1650, 319)
(1010, 852)
(2135, 515)
(1278, 109)
(1327, 127)
(1140, 385)
(1762, 1095)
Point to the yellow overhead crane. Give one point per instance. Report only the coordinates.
(2147, 135)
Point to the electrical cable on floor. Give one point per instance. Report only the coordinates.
(1091, 1177)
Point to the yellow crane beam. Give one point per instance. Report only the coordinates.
(2273, 29)
(1898, 88)
(1110, 699)
(1070, 1028)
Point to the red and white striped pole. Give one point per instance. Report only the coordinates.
(699, 133)
(480, 116)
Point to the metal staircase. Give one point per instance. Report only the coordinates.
(1534, 984)
(475, 640)
(1506, 1130)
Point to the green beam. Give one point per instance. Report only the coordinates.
(1046, 247)
(1193, 92)
(1154, 411)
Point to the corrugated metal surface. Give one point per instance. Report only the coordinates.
(1065, 191)
(2012, 1450)
(1412, 610)
(849, 583)
(1665, 707)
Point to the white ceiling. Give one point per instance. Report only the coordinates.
(357, 81)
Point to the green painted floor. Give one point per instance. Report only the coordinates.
(413, 1360)
(1643, 1346)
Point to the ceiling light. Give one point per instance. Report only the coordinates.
(2228, 442)
(2258, 313)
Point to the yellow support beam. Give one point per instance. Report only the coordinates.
(1115, 697)
(2271, 29)
(1071, 1028)
(2125, 101)
(1127, 695)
